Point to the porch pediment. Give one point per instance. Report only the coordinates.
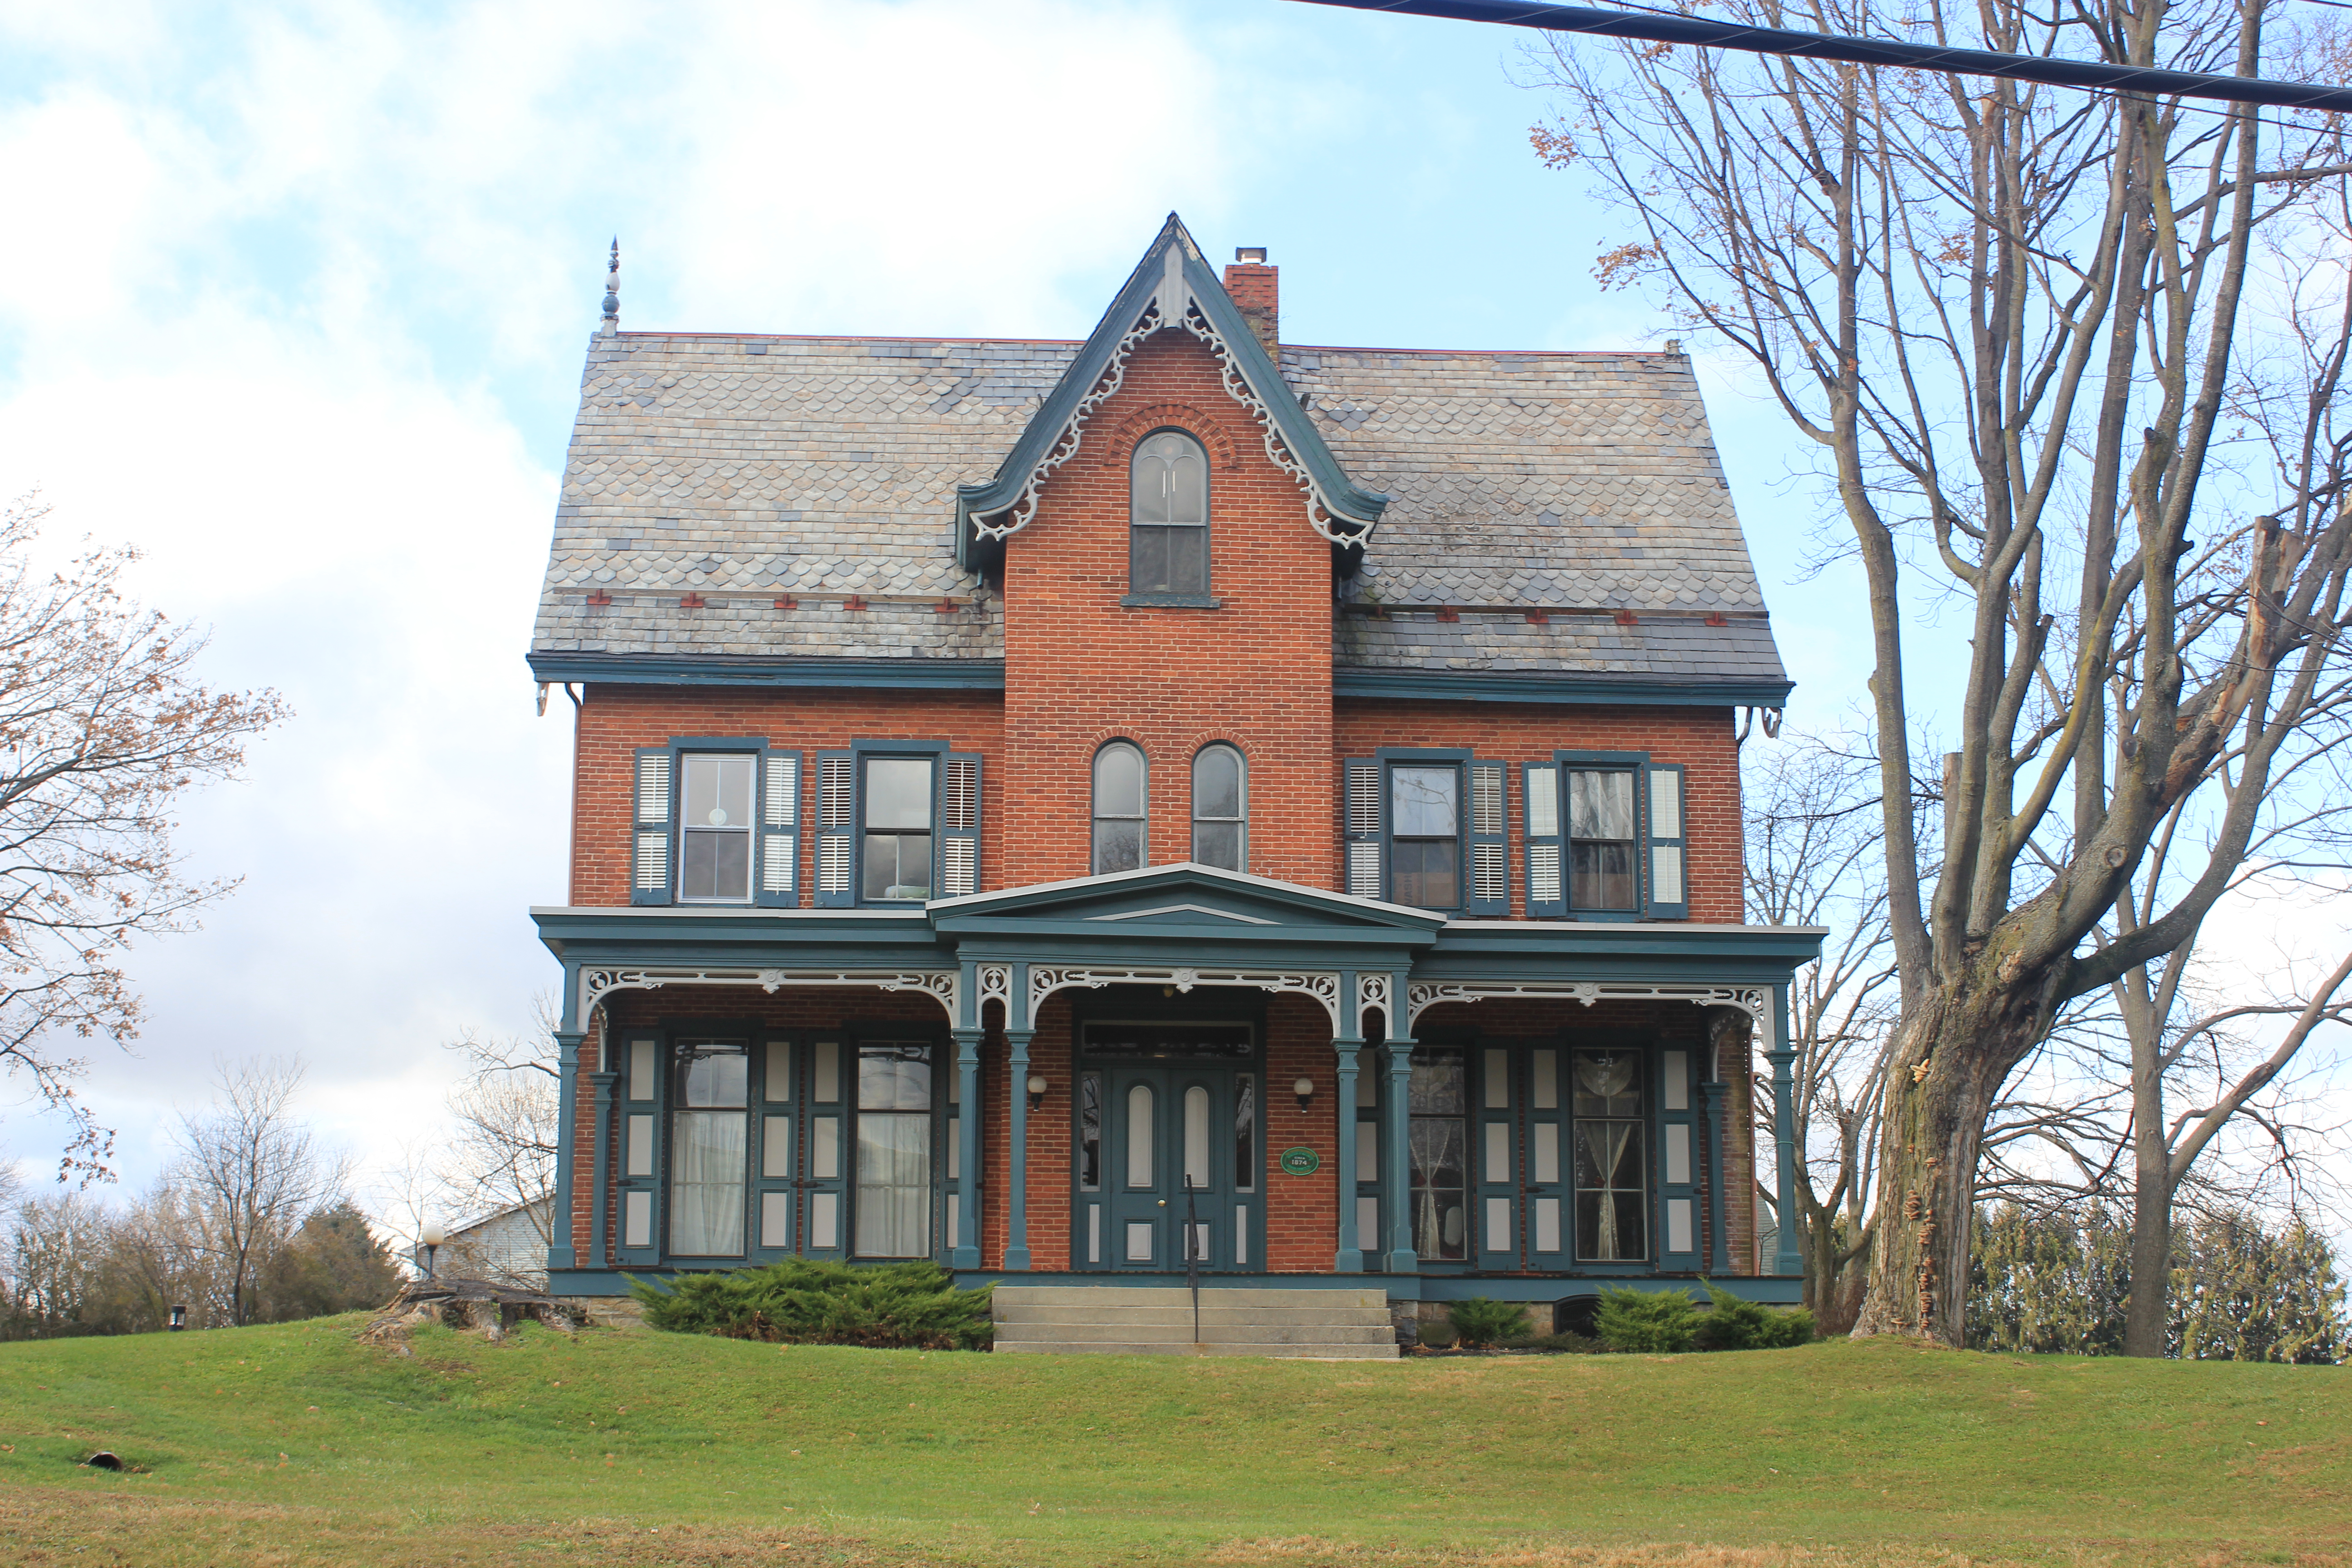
(1188, 902)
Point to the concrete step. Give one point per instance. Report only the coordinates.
(1296, 1351)
(1163, 1296)
(1211, 1333)
(1087, 1313)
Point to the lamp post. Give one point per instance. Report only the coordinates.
(432, 1236)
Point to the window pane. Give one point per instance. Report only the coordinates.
(1425, 871)
(1440, 1230)
(718, 791)
(1600, 805)
(1171, 480)
(894, 1185)
(894, 1077)
(898, 865)
(1118, 845)
(1118, 782)
(1188, 561)
(1217, 783)
(1608, 1083)
(1218, 843)
(1600, 877)
(1090, 1132)
(715, 863)
(1139, 1156)
(1421, 801)
(1437, 1083)
(1147, 565)
(1244, 1133)
(706, 1202)
(713, 1075)
(1196, 1138)
(898, 793)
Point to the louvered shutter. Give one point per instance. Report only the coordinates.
(1367, 840)
(1666, 876)
(780, 831)
(649, 837)
(959, 820)
(1546, 891)
(837, 829)
(1490, 864)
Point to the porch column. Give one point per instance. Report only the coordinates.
(1344, 1044)
(599, 1251)
(1783, 1058)
(1710, 1099)
(561, 1252)
(1017, 1035)
(1396, 1185)
(966, 1251)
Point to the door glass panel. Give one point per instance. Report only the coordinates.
(1140, 1155)
(1246, 1133)
(710, 1134)
(894, 1150)
(1437, 1153)
(1610, 1157)
(1196, 1138)
(1091, 1131)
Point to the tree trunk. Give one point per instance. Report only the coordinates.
(2151, 1237)
(1953, 1050)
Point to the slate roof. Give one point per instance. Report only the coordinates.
(750, 470)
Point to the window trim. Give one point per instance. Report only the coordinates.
(681, 827)
(1241, 759)
(766, 757)
(861, 749)
(1204, 597)
(1459, 758)
(1637, 763)
(1093, 806)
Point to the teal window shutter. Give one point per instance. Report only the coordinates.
(649, 837)
(1490, 854)
(780, 831)
(959, 826)
(837, 829)
(1547, 889)
(1365, 809)
(1668, 872)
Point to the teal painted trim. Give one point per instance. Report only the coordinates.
(1043, 432)
(1543, 1287)
(750, 670)
(1769, 952)
(1016, 1197)
(561, 1252)
(1091, 937)
(1359, 680)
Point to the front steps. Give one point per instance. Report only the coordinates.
(1123, 1320)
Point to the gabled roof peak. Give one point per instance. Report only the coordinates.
(1173, 287)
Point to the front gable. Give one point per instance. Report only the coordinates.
(1174, 288)
(1188, 900)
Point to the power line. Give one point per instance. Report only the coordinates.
(1705, 34)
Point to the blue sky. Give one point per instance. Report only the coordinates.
(296, 298)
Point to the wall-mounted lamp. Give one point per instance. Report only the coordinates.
(1305, 1090)
(432, 1236)
(1038, 1087)
(179, 1319)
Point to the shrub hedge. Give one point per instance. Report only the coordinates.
(906, 1306)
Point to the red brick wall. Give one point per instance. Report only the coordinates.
(616, 720)
(1302, 1212)
(1701, 739)
(1082, 669)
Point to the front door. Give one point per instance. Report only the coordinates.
(1180, 1148)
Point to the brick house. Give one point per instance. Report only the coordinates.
(1046, 806)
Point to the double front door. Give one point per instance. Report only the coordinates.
(1178, 1170)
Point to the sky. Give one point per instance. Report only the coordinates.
(295, 301)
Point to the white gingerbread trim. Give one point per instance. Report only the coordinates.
(1756, 1001)
(1323, 986)
(1372, 991)
(941, 986)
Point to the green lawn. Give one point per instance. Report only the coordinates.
(297, 1445)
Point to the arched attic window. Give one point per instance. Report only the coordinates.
(1121, 827)
(1167, 516)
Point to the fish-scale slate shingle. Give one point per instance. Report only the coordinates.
(772, 478)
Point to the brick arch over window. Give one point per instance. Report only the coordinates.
(1197, 423)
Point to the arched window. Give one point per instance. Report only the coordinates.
(1119, 825)
(1168, 517)
(1220, 808)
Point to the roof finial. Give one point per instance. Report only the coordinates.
(613, 290)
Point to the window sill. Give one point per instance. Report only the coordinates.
(1171, 601)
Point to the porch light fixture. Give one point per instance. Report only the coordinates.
(432, 1236)
(1305, 1090)
(179, 1319)
(1038, 1087)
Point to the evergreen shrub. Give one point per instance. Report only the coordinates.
(1482, 1322)
(810, 1301)
(1649, 1322)
(1733, 1324)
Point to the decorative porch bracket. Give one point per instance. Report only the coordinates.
(944, 986)
(1756, 1001)
(1322, 986)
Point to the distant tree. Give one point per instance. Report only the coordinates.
(501, 1154)
(56, 1254)
(252, 1173)
(103, 725)
(334, 1264)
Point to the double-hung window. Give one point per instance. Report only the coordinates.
(1605, 837)
(1220, 808)
(1121, 824)
(716, 820)
(1168, 530)
(896, 836)
(1428, 829)
(714, 856)
(897, 822)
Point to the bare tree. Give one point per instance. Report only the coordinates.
(102, 725)
(254, 1173)
(2008, 318)
(502, 1152)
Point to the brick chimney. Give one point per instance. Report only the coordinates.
(1251, 283)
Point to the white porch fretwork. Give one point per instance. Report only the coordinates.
(1756, 1001)
(940, 985)
(1324, 986)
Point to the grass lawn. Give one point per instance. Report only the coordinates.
(297, 1445)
